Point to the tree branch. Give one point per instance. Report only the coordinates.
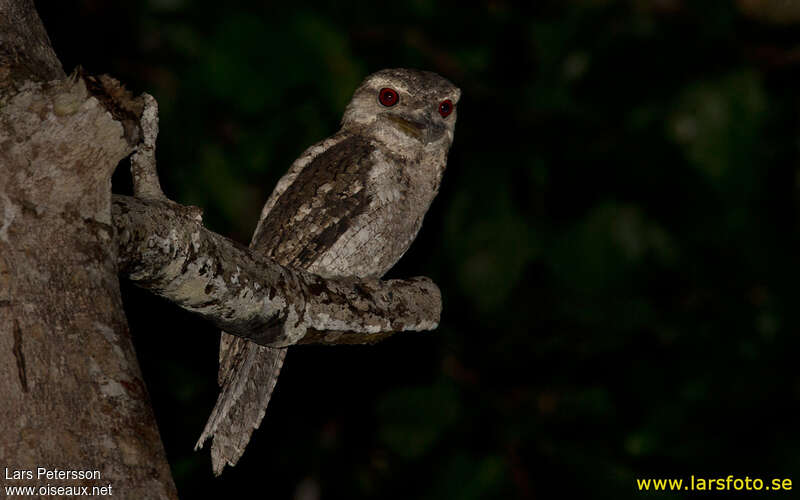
(143, 161)
(72, 393)
(164, 248)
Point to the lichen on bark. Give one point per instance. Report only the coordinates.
(65, 350)
(163, 247)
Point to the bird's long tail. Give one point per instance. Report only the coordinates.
(248, 373)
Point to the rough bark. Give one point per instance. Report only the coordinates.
(143, 162)
(72, 394)
(164, 248)
(25, 50)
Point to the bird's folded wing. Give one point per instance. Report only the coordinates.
(300, 224)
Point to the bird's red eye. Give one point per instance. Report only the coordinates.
(445, 108)
(388, 97)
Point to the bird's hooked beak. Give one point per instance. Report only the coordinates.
(423, 131)
(415, 129)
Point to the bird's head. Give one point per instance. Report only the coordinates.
(407, 106)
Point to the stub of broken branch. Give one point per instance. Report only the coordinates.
(164, 248)
(143, 161)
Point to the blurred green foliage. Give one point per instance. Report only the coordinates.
(616, 239)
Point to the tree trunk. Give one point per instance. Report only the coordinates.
(72, 393)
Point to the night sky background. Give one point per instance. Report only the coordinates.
(616, 239)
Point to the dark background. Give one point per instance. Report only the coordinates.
(616, 239)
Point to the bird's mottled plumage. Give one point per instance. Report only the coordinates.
(349, 206)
